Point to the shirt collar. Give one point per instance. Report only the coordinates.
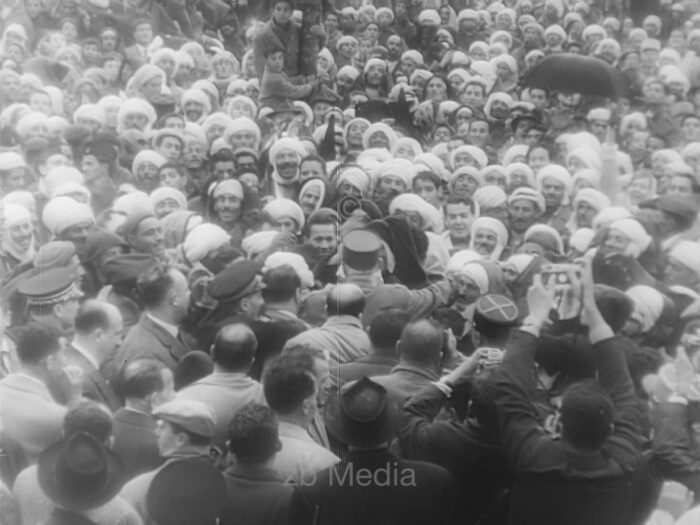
(82, 351)
(168, 327)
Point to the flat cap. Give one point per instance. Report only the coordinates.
(679, 205)
(361, 250)
(235, 281)
(193, 416)
(51, 287)
(125, 267)
(102, 149)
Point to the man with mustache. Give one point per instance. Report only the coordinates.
(391, 181)
(525, 206)
(285, 157)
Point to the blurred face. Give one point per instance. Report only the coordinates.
(166, 207)
(108, 41)
(227, 208)
(169, 442)
(372, 32)
(194, 154)
(473, 95)
(172, 178)
(494, 178)
(427, 190)
(458, 220)
(224, 169)
(522, 214)
(243, 139)
(679, 186)
(617, 242)
(143, 34)
(135, 121)
(478, 133)
(147, 175)
(77, 234)
(436, 90)
(148, 238)
(310, 199)
(40, 102)
(654, 92)
(639, 189)
(379, 140)
(677, 273)
(33, 7)
(323, 239)
(392, 184)
(21, 235)
(442, 134)
(13, 180)
(539, 157)
(553, 191)
(193, 110)
(485, 241)
(170, 148)
(287, 224)
(464, 159)
(691, 129)
(393, 45)
(585, 214)
(287, 164)
(311, 169)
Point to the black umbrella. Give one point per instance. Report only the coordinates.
(577, 74)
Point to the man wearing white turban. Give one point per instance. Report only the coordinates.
(525, 207)
(627, 237)
(68, 220)
(17, 237)
(489, 238)
(555, 184)
(683, 268)
(285, 157)
(286, 215)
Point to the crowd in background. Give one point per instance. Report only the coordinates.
(344, 261)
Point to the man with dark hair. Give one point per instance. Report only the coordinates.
(185, 429)
(86, 418)
(420, 361)
(321, 244)
(342, 334)
(228, 388)
(459, 215)
(588, 473)
(98, 333)
(291, 391)
(256, 494)
(29, 414)
(223, 165)
(144, 384)
(166, 298)
(384, 334)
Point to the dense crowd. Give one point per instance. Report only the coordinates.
(350, 262)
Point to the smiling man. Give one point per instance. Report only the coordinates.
(285, 157)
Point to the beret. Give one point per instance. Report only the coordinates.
(234, 281)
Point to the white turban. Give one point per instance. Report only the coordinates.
(495, 226)
(594, 198)
(132, 203)
(379, 127)
(462, 258)
(609, 215)
(590, 176)
(243, 124)
(648, 305)
(21, 197)
(147, 156)
(258, 242)
(198, 96)
(228, 187)
(135, 106)
(548, 231)
(497, 97)
(92, 112)
(403, 142)
(490, 197)
(15, 215)
(528, 194)
(635, 232)
(160, 194)
(202, 240)
(63, 212)
(587, 156)
(474, 152)
(599, 114)
(27, 122)
(357, 178)
(58, 176)
(10, 160)
(520, 261)
(295, 261)
(287, 143)
(432, 219)
(688, 254)
(414, 56)
(400, 168)
(279, 208)
(433, 163)
(476, 273)
(581, 239)
(71, 188)
(517, 150)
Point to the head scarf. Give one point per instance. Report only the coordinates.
(648, 305)
(16, 215)
(431, 217)
(314, 183)
(495, 226)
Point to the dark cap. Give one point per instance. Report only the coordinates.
(51, 287)
(125, 267)
(132, 222)
(494, 312)
(103, 150)
(678, 205)
(324, 94)
(361, 250)
(97, 242)
(236, 281)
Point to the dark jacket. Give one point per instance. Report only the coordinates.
(371, 365)
(475, 458)
(555, 483)
(414, 492)
(135, 442)
(255, 495)
(148, 340)
(274, 36)
(95, 386)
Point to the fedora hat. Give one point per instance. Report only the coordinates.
(188, 491)
(80, 473)
(361, 414)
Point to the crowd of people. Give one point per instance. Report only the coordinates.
(348, 262)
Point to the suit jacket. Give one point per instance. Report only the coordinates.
(148, 340)
(372, 365)
(95, 386)
(413, 492)
(135, 441)
(29, 414)
(255, 495)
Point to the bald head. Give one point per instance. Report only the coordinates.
(99, 326)
(234, 348)
(421, 343)
(345, 299)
